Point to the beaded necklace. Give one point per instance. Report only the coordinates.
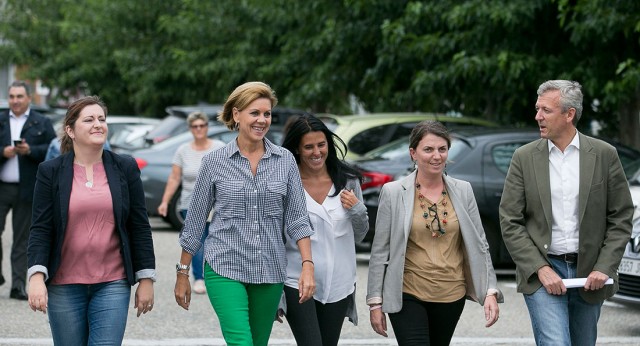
(432, 211)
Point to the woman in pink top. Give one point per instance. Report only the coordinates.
(90, 236)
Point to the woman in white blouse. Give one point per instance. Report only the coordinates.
(339, 218)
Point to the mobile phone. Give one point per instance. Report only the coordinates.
(17, 141)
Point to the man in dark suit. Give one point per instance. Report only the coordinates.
(24, 137)
(565, 213)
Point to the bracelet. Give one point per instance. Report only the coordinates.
(310, 261)
(375, 307)
(183, 273)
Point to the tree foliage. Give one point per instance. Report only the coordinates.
(476, 57)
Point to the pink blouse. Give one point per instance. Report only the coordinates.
(91, 247)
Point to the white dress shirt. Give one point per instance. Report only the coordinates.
(10, 172)
(564, 176)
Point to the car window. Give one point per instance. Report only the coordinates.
(391, 150)
(629, 163)
(634, 170)
(458, 147)
(368, 139)
(166, 127)
(502, 154)
(402, 130)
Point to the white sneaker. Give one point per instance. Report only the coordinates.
(198, 287)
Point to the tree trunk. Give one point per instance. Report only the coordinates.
(630, 122)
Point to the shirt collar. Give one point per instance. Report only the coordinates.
(575, 142)
(270, 148)
(25, 115)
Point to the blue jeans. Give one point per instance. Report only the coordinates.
(197, 262)
(566, 319)
(93, 314)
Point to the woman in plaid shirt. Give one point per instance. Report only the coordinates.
(255, 189)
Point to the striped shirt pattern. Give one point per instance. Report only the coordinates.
(246, 235)
(189, 160)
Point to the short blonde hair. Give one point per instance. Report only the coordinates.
(241, 97)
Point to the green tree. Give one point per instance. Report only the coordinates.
(605, 41)
(476, 57)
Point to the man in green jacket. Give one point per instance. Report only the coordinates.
(565, 213)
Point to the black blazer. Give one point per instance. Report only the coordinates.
(38, 132)
(51, 207)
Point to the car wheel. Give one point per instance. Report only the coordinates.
(173, 215)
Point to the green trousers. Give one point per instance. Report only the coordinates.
(246, 311)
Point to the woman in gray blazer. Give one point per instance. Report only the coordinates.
(429, 253)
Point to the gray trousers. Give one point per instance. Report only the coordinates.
(21, 222)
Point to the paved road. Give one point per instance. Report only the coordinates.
(168, 324)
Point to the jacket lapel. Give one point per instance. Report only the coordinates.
(113, 178)
(408, 195)
(541, 175)
(65, 182)
(30, 122)
(587, 166)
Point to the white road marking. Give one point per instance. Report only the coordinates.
(380, 341)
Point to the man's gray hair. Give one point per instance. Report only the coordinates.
(570, 95)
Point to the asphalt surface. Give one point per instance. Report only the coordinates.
(168, 324)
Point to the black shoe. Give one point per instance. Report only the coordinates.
(18, 294)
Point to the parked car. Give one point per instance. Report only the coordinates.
(117, 123)
(129, 138)
(155, 166)
(363, 133)
(175, 122)
(479, 156)
(629, 269)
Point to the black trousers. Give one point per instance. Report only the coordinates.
(21, 222)
(313, 323)
(424, 323)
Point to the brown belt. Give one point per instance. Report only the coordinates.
(567, 257)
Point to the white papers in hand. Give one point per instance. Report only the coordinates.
(579, 282)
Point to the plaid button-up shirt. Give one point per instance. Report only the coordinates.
(246, 235)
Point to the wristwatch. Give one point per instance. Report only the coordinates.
(180, 266)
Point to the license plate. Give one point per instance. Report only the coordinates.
(629, 267)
